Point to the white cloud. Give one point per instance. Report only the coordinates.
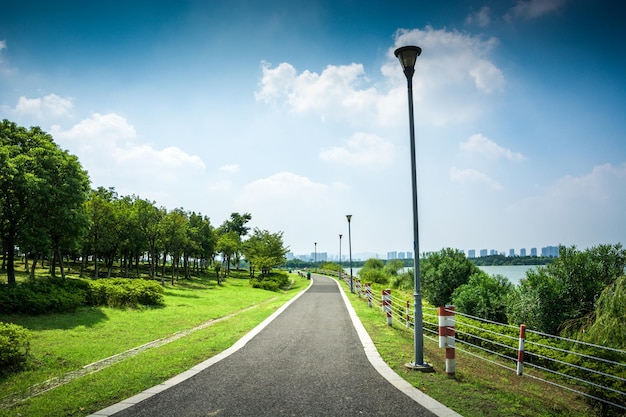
(484, 146)
(576, 208)
(361, 149)
(471, 176)
(481, 18)
(336, 91)
(42, 107)
(105, 145)
(231, 169)
(450, 59)
(454, 77)
(531, 9)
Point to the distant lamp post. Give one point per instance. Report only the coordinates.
(349, 217)
(340, 264)
(407, 56)
(315, 258)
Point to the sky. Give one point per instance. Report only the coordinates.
(297, 113)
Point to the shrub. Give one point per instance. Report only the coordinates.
(14, 345)
(123, 292)
(53, 295)
(272, 282)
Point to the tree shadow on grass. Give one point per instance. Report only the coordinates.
(84, 316)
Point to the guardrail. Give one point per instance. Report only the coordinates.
(593, 371)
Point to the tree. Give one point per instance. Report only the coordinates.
(228, 244)
(236, 224)
(42, 189)
(373, 271)
(173, 232)
(265, 250)
(442, 272)
(483, 296)
(563, 294)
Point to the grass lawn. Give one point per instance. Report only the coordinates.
(480, 388)
(64, 343)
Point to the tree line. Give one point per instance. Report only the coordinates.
(49, 211)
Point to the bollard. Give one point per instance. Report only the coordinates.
(408, 314)
(520, 350)
(386, 304)
(358, 287)
(446, 337)
(368, 293)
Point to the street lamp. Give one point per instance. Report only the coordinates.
(349, 217)
(340, 264)
(315, 258)
(407, 56)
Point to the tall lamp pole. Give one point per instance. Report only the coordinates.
(340, 264)
(315, 258)
(407, 56)
(349, 217)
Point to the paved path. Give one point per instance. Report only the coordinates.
(311, 358)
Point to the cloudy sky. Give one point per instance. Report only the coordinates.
(296, 112)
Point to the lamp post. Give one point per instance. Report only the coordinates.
(315, 258)
(340, 264)
(407, 56)
(349, 217)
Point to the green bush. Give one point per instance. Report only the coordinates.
(14, 345)
(122, 292)
(53, 295)
(275, 281)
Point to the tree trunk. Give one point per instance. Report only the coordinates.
(32, 267)
(58, 254)
(96, 273)
(10, 262)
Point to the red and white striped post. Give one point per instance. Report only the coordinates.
(358, 287)
(368, 293)
(446, 337)
(520, 350)
(408, 314)
(386, 302)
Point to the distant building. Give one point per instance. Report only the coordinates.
(550, 252)
(471, 253)
(511, 252)
(533, 251)
(392, 255)
(522, 252)
(493, 252)
(401, 255)
(409, 255)
(289, 256)
(483, 252)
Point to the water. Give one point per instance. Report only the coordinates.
(513, 272)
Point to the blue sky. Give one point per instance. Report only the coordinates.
(296, 112)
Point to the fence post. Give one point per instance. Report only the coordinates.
(446, 337)
(368, 293)
(520, 350)
(358, 287)
(387, 305)
(408, 314)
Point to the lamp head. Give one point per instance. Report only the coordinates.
(349, 217)
(407, 56)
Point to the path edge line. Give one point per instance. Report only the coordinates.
(385, 370)
(129, 402)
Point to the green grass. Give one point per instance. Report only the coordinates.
(479, 389)
(67, 342)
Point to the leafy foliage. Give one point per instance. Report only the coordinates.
(373, 271)
(274, 281)
(563, 294)
(483, 296)
(14, 345)
(443, 272)
(54, 295)
(122, 292)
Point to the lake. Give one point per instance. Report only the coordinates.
(513, 272)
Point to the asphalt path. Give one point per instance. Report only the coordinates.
(309, 360)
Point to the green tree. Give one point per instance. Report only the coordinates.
(174, 237)
(148, 220)
(265, 250)
(483, 296)
(373, 271)
(42, 189)
(228, 244)
(563, 294)
(443, 272)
